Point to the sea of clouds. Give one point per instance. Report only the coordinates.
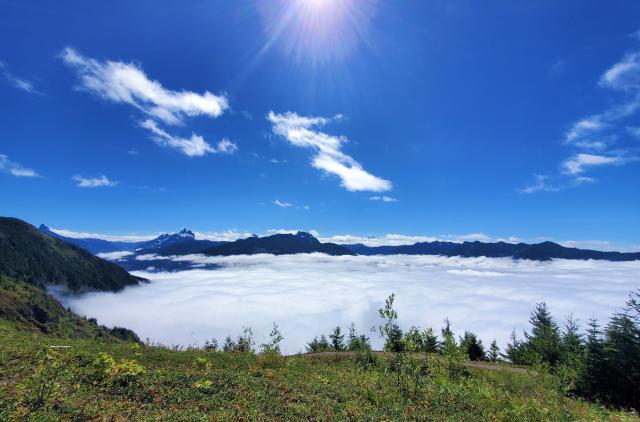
(309, 294)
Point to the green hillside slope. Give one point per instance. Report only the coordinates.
(28, 254)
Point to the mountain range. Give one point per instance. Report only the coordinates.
(184, 242)
(543, 251)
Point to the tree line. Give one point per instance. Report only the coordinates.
(601, 364)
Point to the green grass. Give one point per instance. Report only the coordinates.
(105, 378)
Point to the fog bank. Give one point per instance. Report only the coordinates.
(307, 295)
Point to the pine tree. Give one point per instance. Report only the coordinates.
(446, 330)
(430, 343)
(357, 342)
(337, 339)
(313, 345)
(494, 351)
(543, 344)
(211, 346)
(572, 343)
(633, 306)
(472, 346)
(229, 345)
(593, 367)
(622, 354)
(324, 343)
(245, 342)
(515, 351)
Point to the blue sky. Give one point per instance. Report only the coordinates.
(506, 118)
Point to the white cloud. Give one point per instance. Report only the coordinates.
(382, 198)
(481, 237)
(540, 184)
(126, 83)
(110, 237)
(579, 162)
(93, 182)
(623, 75)
(299, 131)
(544, 183)
(225, 146)
(282, 204)
(589, 134)
(15, 169)
(599, 245)
(386, 240)
(487, 296)
(20, 83)
(226, 236)
(114, 256)
(195, 146)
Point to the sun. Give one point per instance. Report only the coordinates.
(319, 30)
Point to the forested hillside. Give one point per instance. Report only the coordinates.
(34, 257)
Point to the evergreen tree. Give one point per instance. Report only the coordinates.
(357, 342)
(449, 345)
(229, 345)
(543, 344)
(324, 343)
(313, 345)
(318, 345)
(593, 366)
(211, 346)
(494, 351)
(446, 330)
(337, 339)
(472, 346)
(622, 354)
(245, 341)
(515, 351)
(572, 344)
(353, 337)
(633, 306)
(430, 343)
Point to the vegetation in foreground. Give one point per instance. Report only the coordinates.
(59, 373)
(46, 378)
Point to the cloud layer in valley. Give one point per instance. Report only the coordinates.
(307, 295)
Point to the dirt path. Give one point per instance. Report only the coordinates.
(487, 366)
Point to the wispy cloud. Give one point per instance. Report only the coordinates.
(114, 256)
(195, 146)
(126, 83)
(93, 182)
(543, 183)
(15, 169)
(302, 131)
(282, 204)
(598, 139)
(20, 83)
(580, 162)
(382, 198)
